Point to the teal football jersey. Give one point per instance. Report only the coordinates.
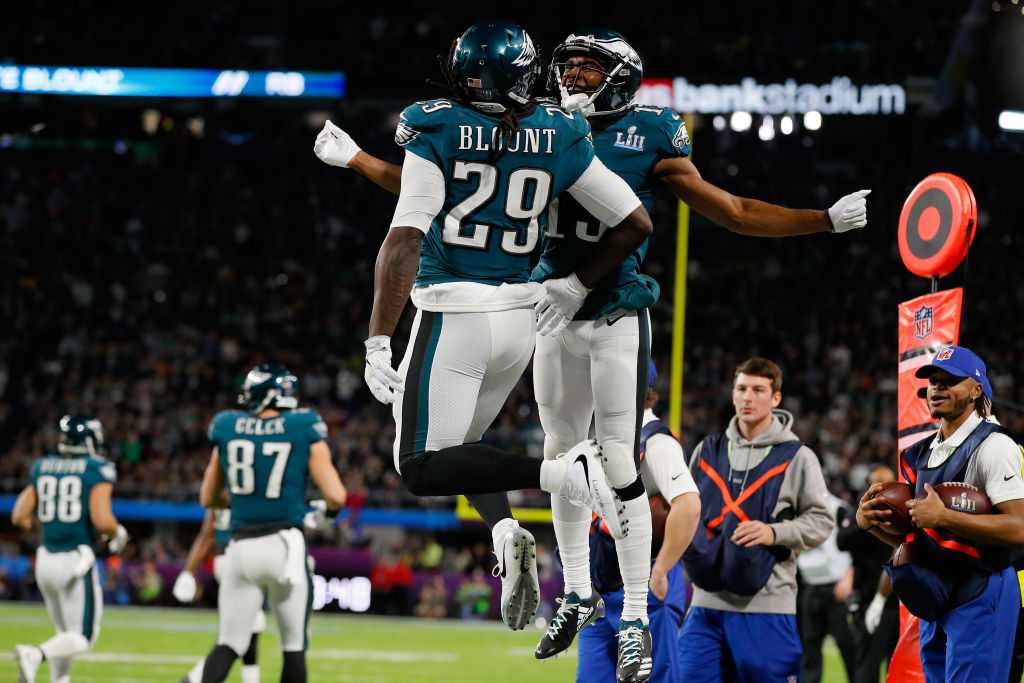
(221, 530)
(630, 147)
(266, 464)
(63, 486)
(495, 207)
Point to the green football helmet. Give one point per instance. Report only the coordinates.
(80, 435)
(493, 66)
(621, 67)
(269, 385)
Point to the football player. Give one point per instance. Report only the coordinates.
(480, 171)
(70, 496)
(596, 365)
(215, 534)
(264, 456)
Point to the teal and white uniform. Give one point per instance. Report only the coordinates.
(482, 215)
(266, 470)
(64, 569)
(598, 365)
(221, 539)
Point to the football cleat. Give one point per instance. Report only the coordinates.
(634, 662)
(517, 569)
(608, 506)
(572, 615)
(28, 659)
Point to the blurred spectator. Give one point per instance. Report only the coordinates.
(431, 556)
(433, 602)
(390, 582)
(147, 582)
(474, 596)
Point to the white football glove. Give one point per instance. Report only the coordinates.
(317, 517)
(119, 541)
(850, 212)
(185, 587)
(873, 614)
(562, 299)
(334, 146)
(385, 384)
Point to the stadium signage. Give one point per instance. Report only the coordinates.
(838, 96)
(137, 82)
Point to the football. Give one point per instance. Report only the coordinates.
(904, 554)
(962, 497)
(895, 495)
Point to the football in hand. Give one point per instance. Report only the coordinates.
(894, 496)
(961, 497)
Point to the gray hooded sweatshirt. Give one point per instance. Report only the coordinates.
(803, 490)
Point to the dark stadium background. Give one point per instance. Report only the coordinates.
(144, 271)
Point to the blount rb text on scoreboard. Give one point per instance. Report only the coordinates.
(140, 82)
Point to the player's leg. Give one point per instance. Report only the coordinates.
(597, 645)
(250, 663)
(292, 604)
(980, 633)
(765, 647)
(620, 354)
(238, 600)
(933, 645)
(701, 647)
(561, 384)
(50, 579)
(443, 369)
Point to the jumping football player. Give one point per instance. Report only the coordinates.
(70, 496)
(264, 456)
(480, 171)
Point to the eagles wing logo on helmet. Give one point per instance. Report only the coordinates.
(528, 54)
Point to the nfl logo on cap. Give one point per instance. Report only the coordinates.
(944, 353)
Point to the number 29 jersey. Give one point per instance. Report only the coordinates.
(495, 205)
(265, 462)
(63, 486)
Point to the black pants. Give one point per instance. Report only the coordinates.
(874, 649)
(821, 615)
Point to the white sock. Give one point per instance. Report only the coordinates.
(251, 674)
(64, 645)
(634, 553)
(60, 671)
(196, 674)
(500, 529)
(572, 531)
(552, 474)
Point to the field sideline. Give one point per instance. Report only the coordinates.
(144, 645)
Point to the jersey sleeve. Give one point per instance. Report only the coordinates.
(101, 471)
(420, 127)
(672, 139)
(604, 195)
(422, 195)
(576, 156)
(216, 430)
(34, 472)
(667, 464)
(313, 426)
(999, 464)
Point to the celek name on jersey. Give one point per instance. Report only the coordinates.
(525, 140)
(258, 427)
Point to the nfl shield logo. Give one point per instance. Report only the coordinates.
(923, 322)
(945, 353)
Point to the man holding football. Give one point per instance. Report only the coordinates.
(954, 570)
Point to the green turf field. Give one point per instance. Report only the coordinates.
(140, 645)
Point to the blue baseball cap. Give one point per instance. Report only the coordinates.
(958, 361)
(652, 373)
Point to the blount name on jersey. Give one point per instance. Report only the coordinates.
(525, 140)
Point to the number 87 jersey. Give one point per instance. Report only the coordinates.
(265, 462)
(481, 196)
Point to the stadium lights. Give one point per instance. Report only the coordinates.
(740, 121)
(786, 125)
(719, 123)
(812, 120)
(767, 129)
(1011, 120)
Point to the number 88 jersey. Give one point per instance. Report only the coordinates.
(495, 204)
(265, 462)
(63, 485)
